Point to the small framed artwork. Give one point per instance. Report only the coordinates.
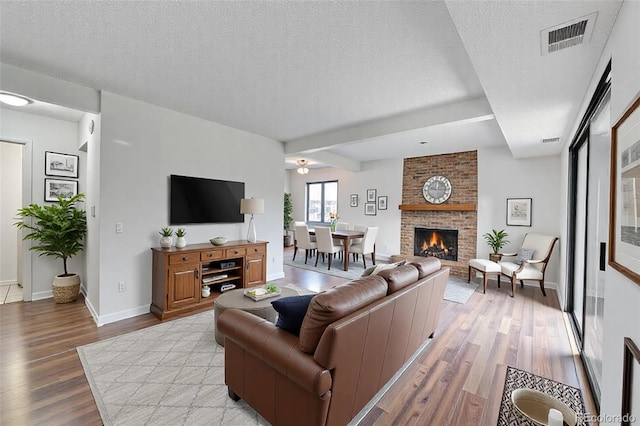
(55, 187)
(353, 200)
(382, 202)
(371, 195)
(63, 165)
(630, 381)
(518, 211)
(624, 207)
(370, 209)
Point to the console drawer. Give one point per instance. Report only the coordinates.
(211, 255)
(177, 259)
(235, 252)
(256, 250)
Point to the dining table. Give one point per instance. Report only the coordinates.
(346, 237)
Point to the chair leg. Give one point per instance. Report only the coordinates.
(521, 283)
(499, 275)
(295, 251)
(306, 256)
(544, 293)
(513, 286)
(469, 277)
(373, 258)
(364, 261)
(485, 281)
(317, 257)
(330, 255)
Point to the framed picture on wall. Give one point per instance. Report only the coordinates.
(624, 213)
(63, 165)
(371, 195)
(630, 380)
(370, 209)
(519, 211)
(353, 201)
(55, 187)
(382, 202)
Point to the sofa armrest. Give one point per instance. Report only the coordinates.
(275, 347)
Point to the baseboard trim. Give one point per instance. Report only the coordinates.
(547, 284)
(275, 276)
(121, 315)
(42, 295)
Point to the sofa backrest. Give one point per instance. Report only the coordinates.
(336, 303)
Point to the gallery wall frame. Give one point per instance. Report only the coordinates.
(59, 164)
(371, 195)
(624, 205)
(519, 211)
(382, 202)
(631, 357)
(353, 200)
(370, 209)
(55, 187)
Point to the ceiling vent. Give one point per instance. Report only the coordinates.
(569, 34)
(551, 140)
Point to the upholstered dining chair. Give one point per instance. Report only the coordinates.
(325, 244)
(530, 262)
(303, 241)
(366, 246)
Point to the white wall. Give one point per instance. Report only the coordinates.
(140, 146)
(10, 202)
(384, 176)
(500, 176)
(622, 296)
(46, 134)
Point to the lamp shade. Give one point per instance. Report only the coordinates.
(252, 206)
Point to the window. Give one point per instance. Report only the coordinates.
(322, 199)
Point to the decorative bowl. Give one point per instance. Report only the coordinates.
(535, 406)
(218, 241)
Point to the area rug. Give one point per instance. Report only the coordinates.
(516, 379)
(459, 290)
(168, 374)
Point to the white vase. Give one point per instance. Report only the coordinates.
(206, 291)
(165, 242)
(181, 242)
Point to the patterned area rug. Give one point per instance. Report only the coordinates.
(168, 374)
(515, 379)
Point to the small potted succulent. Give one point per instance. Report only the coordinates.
(180, 240)
(167, 237)
(496, 240)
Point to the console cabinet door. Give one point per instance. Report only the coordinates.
(183, 286)
(255, 274)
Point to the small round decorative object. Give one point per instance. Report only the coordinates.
(91, 127)
(218, 241)
(437, 189)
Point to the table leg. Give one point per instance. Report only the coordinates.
(346, 244)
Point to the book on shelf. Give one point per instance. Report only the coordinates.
(213, 278)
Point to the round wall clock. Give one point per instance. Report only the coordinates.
(437, 189)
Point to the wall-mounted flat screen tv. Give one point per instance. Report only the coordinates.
(200, 200)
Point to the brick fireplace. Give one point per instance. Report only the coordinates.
(458, 213)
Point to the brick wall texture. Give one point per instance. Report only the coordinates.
(462, 170)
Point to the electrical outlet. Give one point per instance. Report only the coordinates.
(121, 286)
(118, 228)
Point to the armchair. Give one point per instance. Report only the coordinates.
(530, 262)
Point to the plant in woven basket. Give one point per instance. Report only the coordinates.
(496, 240)
(58, 230)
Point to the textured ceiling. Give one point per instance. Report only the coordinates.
(323, 77)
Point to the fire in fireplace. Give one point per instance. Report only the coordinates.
(440, 243)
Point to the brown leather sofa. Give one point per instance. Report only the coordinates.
(353, 339)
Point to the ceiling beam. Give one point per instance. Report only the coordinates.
(466, 111)
(334, 160)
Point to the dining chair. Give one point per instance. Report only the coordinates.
(358, 228)
(303, 240)
(366, 246)
(325, 244)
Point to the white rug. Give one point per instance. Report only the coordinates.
(459, 290)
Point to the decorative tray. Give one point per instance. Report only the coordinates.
(257, 293)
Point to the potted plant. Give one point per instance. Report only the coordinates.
(288, 209)
(180, 240)
(496, 240)
(166, 233)
(59, 230)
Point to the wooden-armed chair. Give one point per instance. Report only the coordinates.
(530, 262)
(367, 246)
(325, 244)
(303, 240)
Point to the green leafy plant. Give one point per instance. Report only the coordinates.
(288, 210)
(166, 231)
(496, 239)
(180, 232)
(271, 288)
(59, 229)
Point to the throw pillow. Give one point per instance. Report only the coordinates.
(375, 270)
(291, 312)
(524, 254)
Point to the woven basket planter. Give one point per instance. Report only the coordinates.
(66, 289)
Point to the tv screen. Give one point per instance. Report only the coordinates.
(199, 200)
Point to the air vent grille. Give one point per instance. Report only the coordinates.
(550, 140)
(567, 35)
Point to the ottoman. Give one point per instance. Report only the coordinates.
(235, 299)
(486, 268)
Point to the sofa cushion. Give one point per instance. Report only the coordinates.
(291, 312)
(426, 266)
(336, 303)
(400, 277)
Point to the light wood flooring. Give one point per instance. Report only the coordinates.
(457, 380)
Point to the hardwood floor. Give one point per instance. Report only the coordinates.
(457, 380)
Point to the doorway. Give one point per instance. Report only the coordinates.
(15, 192)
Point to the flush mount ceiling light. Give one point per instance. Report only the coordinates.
(302, 167)
(14, 100)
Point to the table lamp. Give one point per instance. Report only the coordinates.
(251, 206)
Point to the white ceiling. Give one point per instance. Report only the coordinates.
(337, 82)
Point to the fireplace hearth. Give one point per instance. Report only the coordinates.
(440, 243)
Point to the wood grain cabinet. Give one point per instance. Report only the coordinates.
(179, 274)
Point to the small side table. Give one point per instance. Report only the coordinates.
(486, 268)
(235, 299)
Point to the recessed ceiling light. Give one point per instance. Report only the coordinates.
(14, 100)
